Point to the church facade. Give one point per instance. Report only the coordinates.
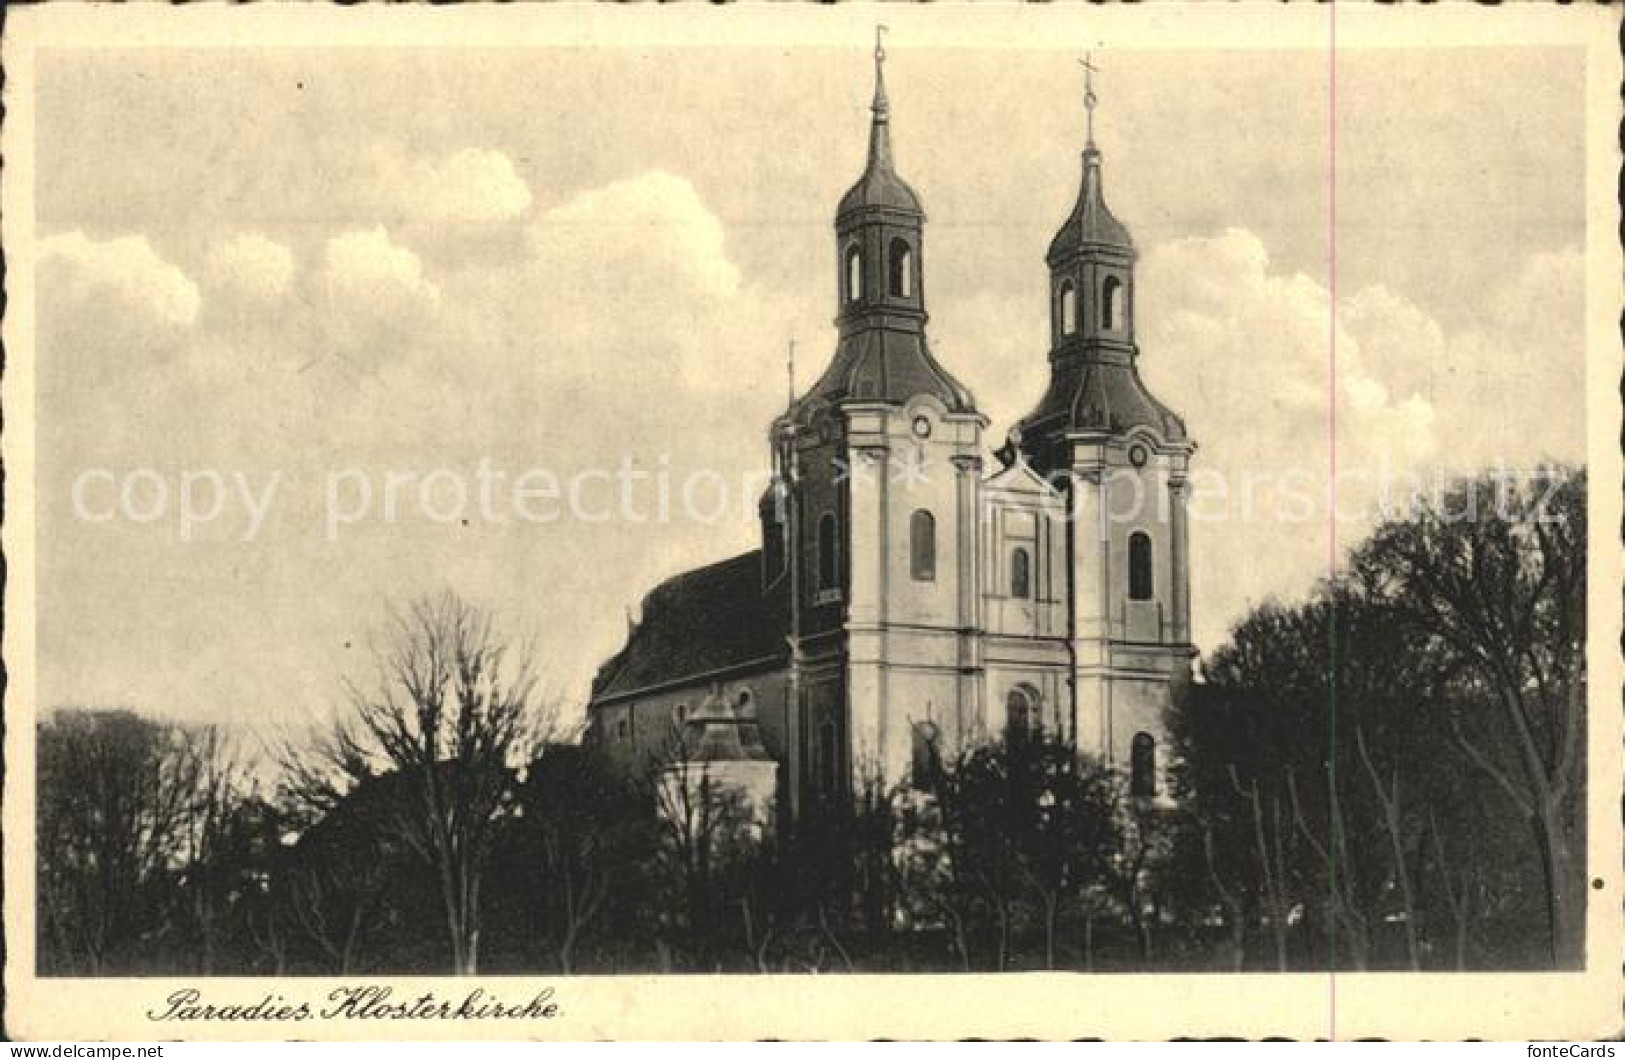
(915, 593)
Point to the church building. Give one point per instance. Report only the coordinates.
(914, 593)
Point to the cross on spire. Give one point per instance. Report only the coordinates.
(1089, 97)
(880, 104)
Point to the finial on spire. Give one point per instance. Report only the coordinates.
(1089, 97)
(790, 372)
(880, 104)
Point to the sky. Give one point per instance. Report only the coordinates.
(297, 273)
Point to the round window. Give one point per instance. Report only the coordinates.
(1137, 455)
(922, 427)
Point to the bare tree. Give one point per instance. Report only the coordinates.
(1235, 912)
(115, 795)
(332, 911)
(1496, 574)
(583, 832)
(211, 833)
(1272, 871)
(451, 713)
(1141, 846)
(1332, 850)
(1387, 789)
(703, 826)
(1456, 888)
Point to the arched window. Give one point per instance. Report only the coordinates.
(772, 553)
(1021, 574)
(854, 274)
(1140, 584)
(828, 761)
(927, 754)
(682, 713)
(1109, 297)
(1069, 308)
(827, 565)
(902, 269)
(1143, 765)
(623, 729)
(922, 545)
(1021, 713)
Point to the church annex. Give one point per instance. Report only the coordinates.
(914, 593)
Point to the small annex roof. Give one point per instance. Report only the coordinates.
(723, 731)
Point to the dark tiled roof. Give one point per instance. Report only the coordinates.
(699, 622)
(1091, 225)
(1113, 399)
(881, 364)
(879, 187)
(1093, 396)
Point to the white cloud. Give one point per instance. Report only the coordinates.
(77, 269)
(365, 266)
(470, 185)
(1515, 382)
(1245, 353)
(653, 229)
(250, 267)
(379, 300)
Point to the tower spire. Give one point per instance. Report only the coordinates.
(880, 289)
(790, 373)
(879, 129)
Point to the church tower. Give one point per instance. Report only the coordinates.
(1123, 457)
(881, 464)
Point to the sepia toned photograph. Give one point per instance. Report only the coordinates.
(521, 510)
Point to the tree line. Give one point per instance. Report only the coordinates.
(1389, 773)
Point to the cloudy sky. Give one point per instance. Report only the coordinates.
(321, 268)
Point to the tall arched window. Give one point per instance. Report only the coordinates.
(1021, 574)
(922, 545)
(1069, 308)
(1143, 765)
(1140, 584)
(927, 754)
(854, 274)
(828, 758)
(1110, 295)
(827, 565)
(1021, 718)
(902, 269)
